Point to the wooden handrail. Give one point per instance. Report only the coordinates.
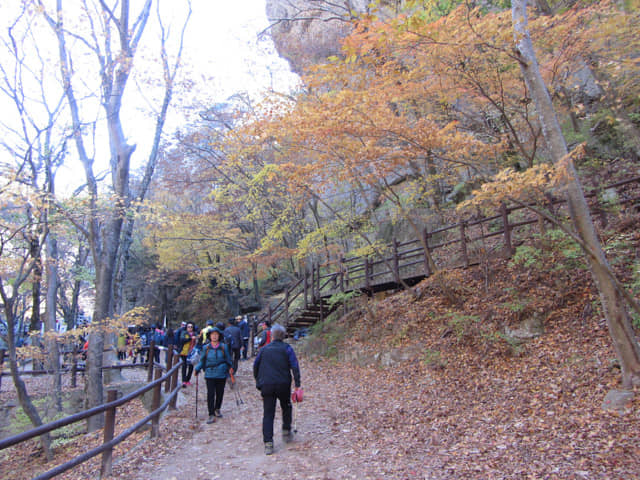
(76, 417)
(350, 270)
(105, 446)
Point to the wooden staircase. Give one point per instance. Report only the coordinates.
(310, 315)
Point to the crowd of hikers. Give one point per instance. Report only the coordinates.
(216, 350)
(133, 345)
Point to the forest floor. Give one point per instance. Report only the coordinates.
(459, 400)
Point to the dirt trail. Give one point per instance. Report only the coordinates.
(232, 448)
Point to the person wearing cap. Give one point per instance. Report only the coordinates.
(216, 363)
(273, 369)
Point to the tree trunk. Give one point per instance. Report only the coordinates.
(71, 313)
(37, 284)
(256, 284)
(21, 389)
(114, 37)
(50, 319)
(613, 305)
(36, 293)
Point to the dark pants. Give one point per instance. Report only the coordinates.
(215, 392)
(245, 346)
(269, 395)
(187, 369)
(235, 354)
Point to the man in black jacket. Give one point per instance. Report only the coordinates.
(272, 369)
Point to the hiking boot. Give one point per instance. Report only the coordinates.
(211, 419)
(268, 448)
(217, 413)
(287, 436)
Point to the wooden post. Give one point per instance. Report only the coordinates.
(74, 366)
(463, 243)
(286, 306)
(367, 281)
(306, 288)
(155, 404)
(269, 314)
(396, 262)
(1, 363)
(109, 429)
(425, 238)
(167, 384)
(507, 229)
(152, 347)
(174, 383)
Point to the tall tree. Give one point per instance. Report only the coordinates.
(614, 305)
(108, 33)
(33, 147)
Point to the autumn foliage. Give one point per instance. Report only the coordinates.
(417, 105)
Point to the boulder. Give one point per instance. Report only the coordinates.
(617, 400)
(528, 328)
(306, 32)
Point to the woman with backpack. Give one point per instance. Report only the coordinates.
(217, 365)
(186, 341)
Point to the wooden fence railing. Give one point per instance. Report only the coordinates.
(459, 245)
(172, 387)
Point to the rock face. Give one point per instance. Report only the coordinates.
(308, 31)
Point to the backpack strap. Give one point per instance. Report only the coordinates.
(206, 350)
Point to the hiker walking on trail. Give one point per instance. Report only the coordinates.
(204, 333)
(243, 325)
(264, 335)
(216, 363)
(185, 343)
(234, 335)
(272, 369)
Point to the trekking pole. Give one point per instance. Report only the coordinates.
(236, 394)
(196, 396)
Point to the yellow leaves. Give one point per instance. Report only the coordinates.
(530, 185)
(267, 174)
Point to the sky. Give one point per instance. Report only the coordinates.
(222, 56)
(223, 39)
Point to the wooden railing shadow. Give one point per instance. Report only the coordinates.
(459, 245)
(172, 387)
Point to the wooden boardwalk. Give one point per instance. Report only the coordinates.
(404, 264)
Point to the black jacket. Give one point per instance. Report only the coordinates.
(274, 365)
(235, 335)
